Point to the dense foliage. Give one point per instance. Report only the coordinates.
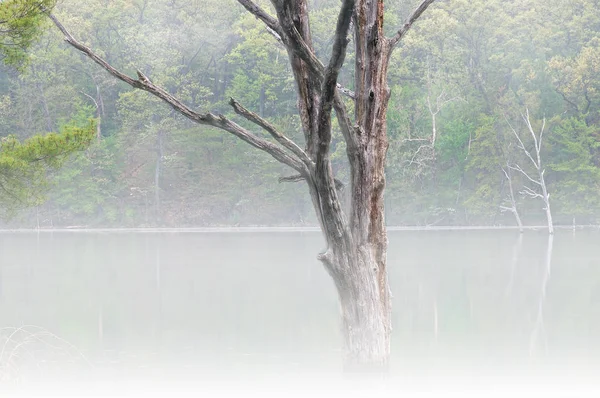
(20, 26)
(463, 76)
(24, 166)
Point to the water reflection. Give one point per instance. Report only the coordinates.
(538, 335)
(159, 295)
(100, 326)
(516, 254)
(236, 300)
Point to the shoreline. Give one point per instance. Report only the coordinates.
(267, 229)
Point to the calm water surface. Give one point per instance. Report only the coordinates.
(140, 303)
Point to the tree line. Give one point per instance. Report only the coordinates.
(467, 84)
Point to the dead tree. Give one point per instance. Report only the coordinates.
(510, 199)
(425, 155)
(539, 190)
(435, 106)
(356, 251)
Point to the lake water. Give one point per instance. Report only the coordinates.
(139, 305)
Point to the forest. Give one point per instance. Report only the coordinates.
(486, 96)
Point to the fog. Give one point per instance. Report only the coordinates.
(200, 199)
(201, 311)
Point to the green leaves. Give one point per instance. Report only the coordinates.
(574, 168)
(24, 166)
(488, 58)
(577, 79)
(262, 79)
(20, 26)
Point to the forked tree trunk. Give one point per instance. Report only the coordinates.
(356, 251)
(511, 197)
(367, 312)
(357, 248)
(536, 161)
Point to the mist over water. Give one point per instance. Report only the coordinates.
(128, 312)
(447, 114)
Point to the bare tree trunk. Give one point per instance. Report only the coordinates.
(365, 313)
(99, 112)
(546, 198)
(367, 168)
(435, 106)
(356, 256)
(536, 160)
(511, 198)
(356, 251)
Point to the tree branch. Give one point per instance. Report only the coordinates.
(259, 13)
(282, 139)
(521, 145)
(348, 130)
(568, 101)
(541, 136)
(530, 128)
(292, 178)
(219, 121)
(330, 204)
(505, 172)
(277, 36)
(504, 208)
(348, 93)
(530, 192)
(339, 185)
(520, 170)
(336, 61)
(294, 41)
(538, 142)
(413, 17)
(92, 99)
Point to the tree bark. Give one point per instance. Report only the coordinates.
(365, 312)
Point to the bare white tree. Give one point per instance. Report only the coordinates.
(510, 201)
(435, 104)
(539, 189)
